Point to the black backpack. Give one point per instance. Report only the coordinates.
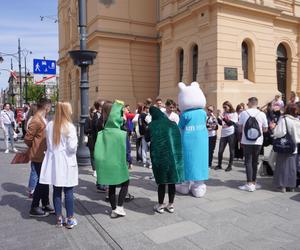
(252, 128)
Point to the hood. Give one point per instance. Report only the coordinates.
(156, 114)
(115, 118)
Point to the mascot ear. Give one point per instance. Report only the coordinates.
(195, 84)
(181, 86)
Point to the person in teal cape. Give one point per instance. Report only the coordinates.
(110, 156)
(166, 156)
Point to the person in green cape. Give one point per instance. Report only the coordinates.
(110, 156)
(166, 156)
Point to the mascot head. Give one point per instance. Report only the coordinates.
(190, 97)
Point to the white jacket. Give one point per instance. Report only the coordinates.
(60, 167)
(293, 125)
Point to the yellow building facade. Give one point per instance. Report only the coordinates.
(235, 49)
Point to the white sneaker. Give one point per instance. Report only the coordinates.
(248, 187)
(120, 211)
(144, 165)
(257, 186)
(95, 174)
(159, 208)
(113, 214)
(150, 166)
(15, 150)
(170, 208)
(6, 151)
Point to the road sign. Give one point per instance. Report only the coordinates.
(46, 67)
(45, 79)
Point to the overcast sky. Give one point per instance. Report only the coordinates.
(21, 19)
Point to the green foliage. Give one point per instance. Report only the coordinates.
(34, 92)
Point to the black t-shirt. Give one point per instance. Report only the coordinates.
(142, 123)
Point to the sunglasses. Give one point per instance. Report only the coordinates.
(209, 110)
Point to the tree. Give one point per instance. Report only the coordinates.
(35, 92)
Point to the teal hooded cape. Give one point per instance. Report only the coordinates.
(110, 150)
(165, 149)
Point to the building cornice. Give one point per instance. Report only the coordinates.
(195, 7)
(122, 36)
(123, 20)
(183, 13)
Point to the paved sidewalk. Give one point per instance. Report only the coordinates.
(226, 218)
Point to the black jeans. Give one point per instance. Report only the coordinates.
(122, 194)
(212, 146)
(251, 161)
(162, 191)
(138, 152)
(41, 191)
(223, 142)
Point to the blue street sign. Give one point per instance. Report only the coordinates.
(46, 67)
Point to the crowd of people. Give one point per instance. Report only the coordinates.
(181, 140)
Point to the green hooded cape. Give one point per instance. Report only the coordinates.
(165, 149)
(110, 150)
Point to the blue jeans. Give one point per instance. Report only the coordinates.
(8, 133)
(33, 178)
(69, 200)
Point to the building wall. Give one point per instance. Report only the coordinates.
(263, 32)
(219, 28)
(125, 37)
(138, 41)
(189, 27)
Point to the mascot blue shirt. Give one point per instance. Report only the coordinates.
(195, 143)
(194, 131)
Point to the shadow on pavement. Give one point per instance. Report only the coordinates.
(12, 187)
(296, 197)
(22, 205)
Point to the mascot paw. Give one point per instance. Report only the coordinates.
(183, 188)
(198, 191)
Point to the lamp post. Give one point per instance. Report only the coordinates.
(18, 57)
(83, 58)
(20, 72)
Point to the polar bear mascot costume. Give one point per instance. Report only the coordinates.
(194, 133)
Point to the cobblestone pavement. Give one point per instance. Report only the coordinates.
(226, 218)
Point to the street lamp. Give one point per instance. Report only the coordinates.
(83, 58)
(17, 56)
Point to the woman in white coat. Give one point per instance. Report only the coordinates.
(60, 166)
(285, 175)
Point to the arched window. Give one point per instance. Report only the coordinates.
(180, 64)
(281, 66)
(194, 62)
(245, 59)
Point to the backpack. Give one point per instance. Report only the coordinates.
(252, 128)
(285, 144)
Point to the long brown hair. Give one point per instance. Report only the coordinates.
(62, 117)
(231, 109)
(106, 108)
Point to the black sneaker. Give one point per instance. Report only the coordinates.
(217, 167)
(49, 209)
(229, 168)
(101, 189)
(37, 212)
(129, 197)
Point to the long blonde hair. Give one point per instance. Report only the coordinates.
(62, 117)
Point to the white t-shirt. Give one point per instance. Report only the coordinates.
(229, 130)
(173, 117)
(262, 121)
